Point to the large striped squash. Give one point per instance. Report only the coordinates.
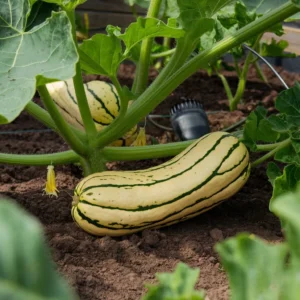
(103, 101)
(209, 171)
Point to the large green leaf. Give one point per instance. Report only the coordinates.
(287, 208)
(258, 128)
(285, 181)
(288, 101)
(255, 269)
(26, 269)
(101, 54)
(28, 58)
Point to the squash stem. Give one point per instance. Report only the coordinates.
(144, 152)
(270, 154)
(43, 116)
(59, 158)
(83, 105)
(142, 72)
(94, 163)
(243, 79)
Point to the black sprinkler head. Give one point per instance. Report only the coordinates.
(189, 120)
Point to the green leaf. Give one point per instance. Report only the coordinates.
(275, 49)
(283, 182)
(258, 128)
(26, 269)
(291, 282)
(296, 2)
(255, 269)
(263, 6)
(193, 10)
(279, 123)
(67, 4)
(101, 55)
(195, 14)
(145, 28)
(288, 155)
(287, 208)
(273, 171)
(288, 102)
(176, 286)
(27, 58)
(39, 13)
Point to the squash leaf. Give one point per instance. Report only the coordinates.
(178, 285)
(255, 269)
(26, 269)
(101, 55)
(67, 4)
(31, 57)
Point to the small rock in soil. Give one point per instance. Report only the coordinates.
(106, 243)
(151, 238)
(5, 178)
(212, 259)
(65, 243)
(134, 239)
(217, 234)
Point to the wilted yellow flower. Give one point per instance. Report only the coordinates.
(50, 188)
(140, 139)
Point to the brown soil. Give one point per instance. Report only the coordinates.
(117, 268)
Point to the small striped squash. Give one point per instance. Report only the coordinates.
(103, 101)
(206, 173)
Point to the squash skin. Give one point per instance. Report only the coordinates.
(103, 101)
(116, 203)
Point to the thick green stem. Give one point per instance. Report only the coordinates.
(94, 163)
(83, 105)
(63, 127)
(163, 86)
(61, 158)
(243, 78)
(43, 116)
(142, 72)
(144, 152)
(241, 85)
(270, 154)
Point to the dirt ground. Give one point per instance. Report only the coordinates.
(117, 268)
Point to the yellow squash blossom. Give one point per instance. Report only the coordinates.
(140, 139)
(50, 188)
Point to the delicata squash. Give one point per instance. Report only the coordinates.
(206, 173)
(103, 101)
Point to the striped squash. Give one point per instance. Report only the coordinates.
(103, 101)
(116, 203)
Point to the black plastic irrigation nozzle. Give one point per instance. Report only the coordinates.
(189, 120)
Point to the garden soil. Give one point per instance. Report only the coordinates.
(105, 268)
